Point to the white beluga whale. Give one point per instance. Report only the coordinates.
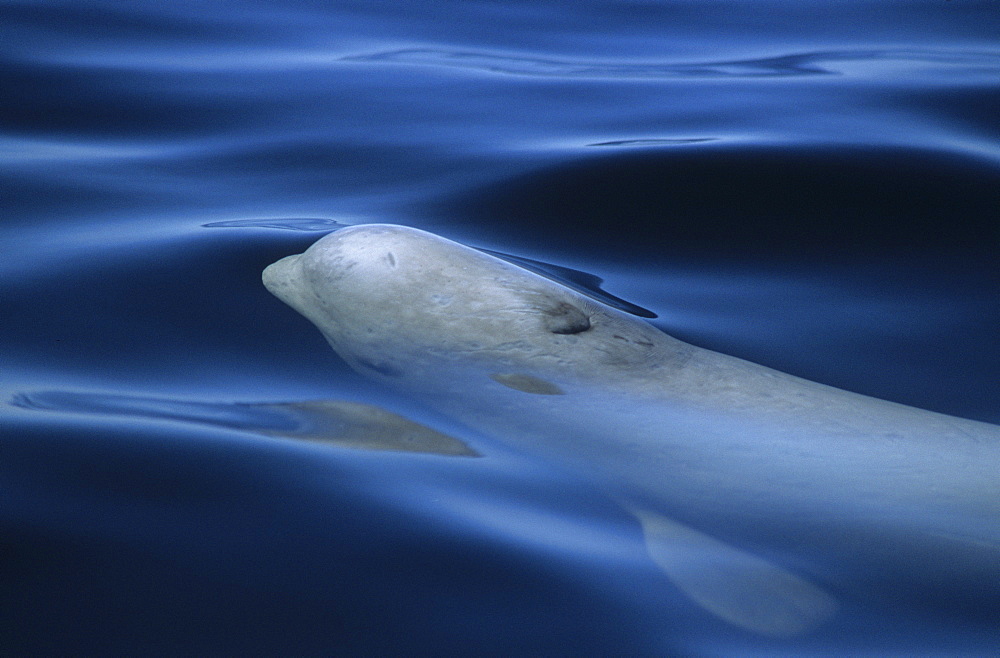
(701, 447)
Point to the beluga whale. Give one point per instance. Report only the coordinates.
(719, 459)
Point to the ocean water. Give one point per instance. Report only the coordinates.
(811, 186)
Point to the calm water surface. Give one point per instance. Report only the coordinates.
(811, 186)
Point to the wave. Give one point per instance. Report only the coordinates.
(794, 64)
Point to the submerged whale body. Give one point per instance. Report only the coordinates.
(699, 446)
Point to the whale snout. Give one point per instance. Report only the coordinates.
(282, 279)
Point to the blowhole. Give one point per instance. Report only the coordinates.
(566, 319)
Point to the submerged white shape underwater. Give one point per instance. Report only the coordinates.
(673, 430)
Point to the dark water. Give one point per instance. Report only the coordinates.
(812, 186)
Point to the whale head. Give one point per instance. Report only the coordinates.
(398, 303)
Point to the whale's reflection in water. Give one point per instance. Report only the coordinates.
(338, 422)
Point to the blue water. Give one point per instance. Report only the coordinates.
(811, 186)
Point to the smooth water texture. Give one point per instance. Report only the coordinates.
(810, 186)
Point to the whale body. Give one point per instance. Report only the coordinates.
(702, 448)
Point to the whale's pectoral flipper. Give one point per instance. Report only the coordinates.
(736, 586)
(337, 422)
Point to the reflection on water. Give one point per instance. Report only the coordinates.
(654, 142)
(865, 62)
(337, 422)
(307, 224)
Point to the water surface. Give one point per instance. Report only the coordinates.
(814, 187)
